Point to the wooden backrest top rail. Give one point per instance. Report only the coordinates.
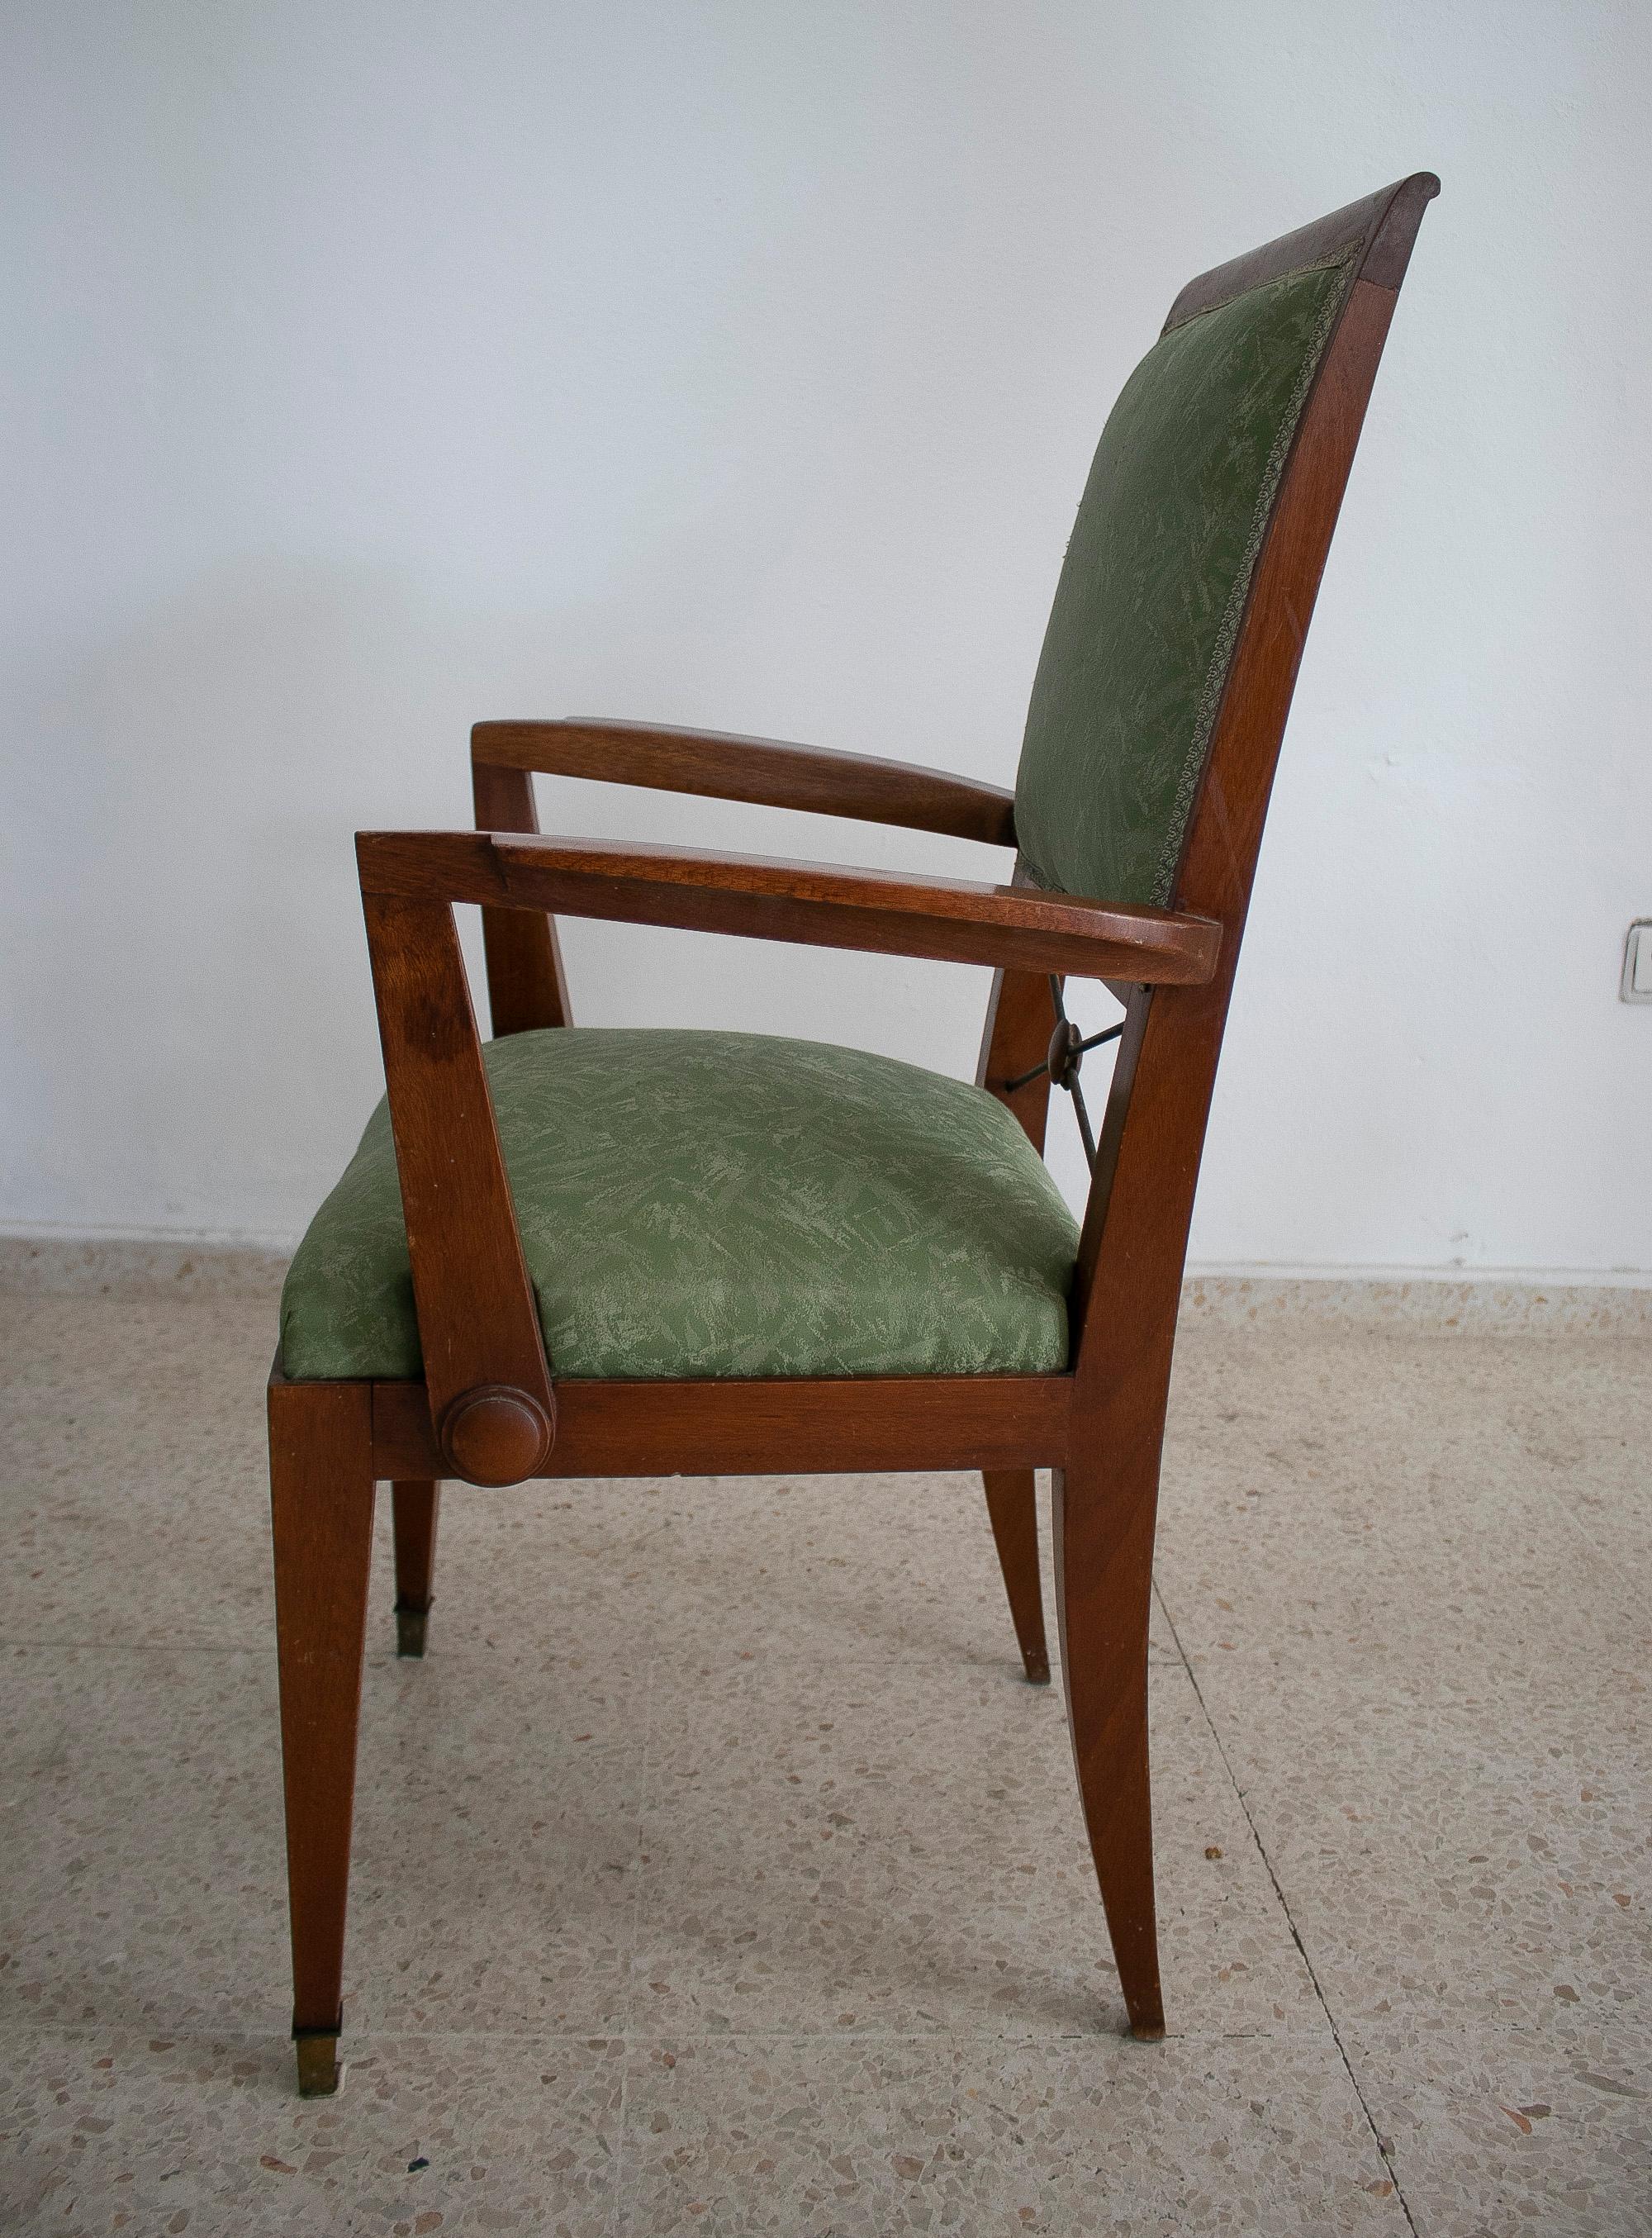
(1380, 228)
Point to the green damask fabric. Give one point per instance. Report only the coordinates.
(1153, 586)
(704, 1204)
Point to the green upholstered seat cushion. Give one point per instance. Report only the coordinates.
(1153, 588)
(704, 1204)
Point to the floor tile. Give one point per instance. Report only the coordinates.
(496, 1839)
(500, 1815)
(832, 1846)
(1498, 2130)
(133, 1482)
(1584, 1431)
(1337, 1511)
(857, 2139)
(882, 1566)
(142, 1835)
(743, 1773)
(1483, 1855)
(106, 2131)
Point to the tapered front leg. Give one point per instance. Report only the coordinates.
(322, 1488)
(1103, 1578)
(415, 1507)
(1012, 1503)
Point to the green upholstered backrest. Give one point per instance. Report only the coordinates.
(1149, 598)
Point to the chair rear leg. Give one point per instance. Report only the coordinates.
(1012, 1502)
(322, 1489)
(1103, 1578)
(416, 1505)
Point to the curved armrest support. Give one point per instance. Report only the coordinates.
(492, 1411)
(767, 771)
(826, 906)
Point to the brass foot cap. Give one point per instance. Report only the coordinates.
(410, 1631)
(318, 2066)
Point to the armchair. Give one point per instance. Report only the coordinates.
(491, 1294)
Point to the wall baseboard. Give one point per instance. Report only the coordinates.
(62, 1262)
(73, 1263)
(1445, 1301)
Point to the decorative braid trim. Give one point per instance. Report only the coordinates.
(1321, 263)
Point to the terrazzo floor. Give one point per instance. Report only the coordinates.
(717, 1873)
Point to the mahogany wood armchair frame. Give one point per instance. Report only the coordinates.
(490, 1408)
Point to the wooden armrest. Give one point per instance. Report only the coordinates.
(761, 770)
(825, 904)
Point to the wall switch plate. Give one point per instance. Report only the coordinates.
(1636, 985)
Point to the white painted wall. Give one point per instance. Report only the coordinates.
(373, 367)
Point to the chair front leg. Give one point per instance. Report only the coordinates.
(1104, 1528)
(1012, 1502)
(321, 1491)
(1020, 1015)
(415, 1507)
